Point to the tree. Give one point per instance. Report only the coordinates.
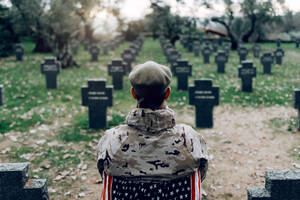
(7, 32)
(254, 15)
(32, 16)
(162, 21)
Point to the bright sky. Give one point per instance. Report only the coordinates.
(134, 9)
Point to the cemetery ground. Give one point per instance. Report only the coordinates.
(253, 132)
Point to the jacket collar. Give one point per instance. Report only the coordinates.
(151, 121)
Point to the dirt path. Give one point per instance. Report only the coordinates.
(243, 146)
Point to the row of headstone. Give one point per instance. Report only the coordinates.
(15, 183)
(129, 55)
(118, 67)
(180, 68)
(202, 95)
(279, 185)
(97, 96)
(93, 48)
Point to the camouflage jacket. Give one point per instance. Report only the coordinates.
(152, 146)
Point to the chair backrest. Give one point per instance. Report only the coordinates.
(116, 188)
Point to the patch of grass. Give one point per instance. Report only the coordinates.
(116, 120)
(73, 134)
(279, 124)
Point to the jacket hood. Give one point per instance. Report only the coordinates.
(151, 121)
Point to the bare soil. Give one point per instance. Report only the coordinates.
(242, 146)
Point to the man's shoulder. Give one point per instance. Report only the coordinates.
(118, 130)
(184, 128)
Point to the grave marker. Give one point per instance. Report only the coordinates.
(182, 69)
(19, 50)
(221, 59)
(278, 42)
(215, 46)
(297, 104)
(196, 49)
(51, 68)
(247, 72)
(117, 69)
(86, 45)
(256, 50)
(267, 61)
(94, 51)
(278, 53)
(243, 52)
(204, 97)
(206, 51)
(173, 56)
(297, 41)
(1, 95)
(105, 48)
(97, 96)
(280, 185)
(190, 42)
(226, 48)
(74, 47)
(128, 57)
(15, 183)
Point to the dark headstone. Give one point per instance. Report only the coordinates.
(278, 54)
(128, 57)
(280, 185)
(182, 69)
(297, 41)
(117, 69)
(206, 51)
(220, 41)
(173, 56)
(226, 48)
(221, 59)
(247, 72)
(105, 48)
(51, 68)
(94, 51)
(256, 50)
(297, 104)
(278, 42)
(97, 96)
(215, 46)
(15, 184)
(206, 41)
(267, 61)
(134, 49)
(74, 48)
(204, 97)
(243, 52)
(1, 95)
(196, 49)
(19, 50)
(190, 42)
(86, 45)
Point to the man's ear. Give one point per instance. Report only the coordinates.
(133, 93)
(168, 93)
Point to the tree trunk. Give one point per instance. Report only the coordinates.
(246, 37)
(233, 38)
(62, 52)
(41, 46)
